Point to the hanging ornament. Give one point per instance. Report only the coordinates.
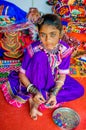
(51, 2)
(10, 43)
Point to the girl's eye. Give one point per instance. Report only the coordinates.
(42, 35)
(53, 34)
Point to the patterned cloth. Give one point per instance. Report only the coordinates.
(38, 65)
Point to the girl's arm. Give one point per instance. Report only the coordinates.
(24, 80)
(37, 96)
(54, 91)
(61, 80)
(59, 84)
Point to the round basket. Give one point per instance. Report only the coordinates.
(66, 118)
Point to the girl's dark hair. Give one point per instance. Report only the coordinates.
(50, 19)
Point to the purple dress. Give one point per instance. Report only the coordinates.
(42, 69)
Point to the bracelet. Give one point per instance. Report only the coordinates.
(32, 89)
(60, 81)
(29, 86)
(55, 90)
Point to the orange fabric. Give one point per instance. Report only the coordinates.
(81, 37)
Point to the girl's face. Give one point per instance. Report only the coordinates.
(49, 36)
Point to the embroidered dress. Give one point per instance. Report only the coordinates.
(42, 68)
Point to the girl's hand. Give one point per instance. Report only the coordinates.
(38, 98)
(51, 101)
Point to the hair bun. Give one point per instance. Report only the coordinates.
(40, 20)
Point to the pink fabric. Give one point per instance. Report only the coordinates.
(9, 98)
(43, 106)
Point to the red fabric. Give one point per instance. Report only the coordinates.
(26, 40)
(12, 118)
(0, 35)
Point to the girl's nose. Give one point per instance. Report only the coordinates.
(47, 38)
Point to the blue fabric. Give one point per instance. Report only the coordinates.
(13, 11)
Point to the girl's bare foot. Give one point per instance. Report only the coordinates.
(34, 112)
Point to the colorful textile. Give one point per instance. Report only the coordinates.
(37, 68)
(78, 59)
(6, 66)
(10, 98)
(4, 20)
(73, 17)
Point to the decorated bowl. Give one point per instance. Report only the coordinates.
(66, 118)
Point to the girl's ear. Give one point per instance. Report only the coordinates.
(61, 34)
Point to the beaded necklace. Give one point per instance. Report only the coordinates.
(54, 57)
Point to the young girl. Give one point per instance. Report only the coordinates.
(43, 76)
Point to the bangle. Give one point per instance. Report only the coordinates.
(29, 86)
(55, 90)
(32, 89)
(60, 81)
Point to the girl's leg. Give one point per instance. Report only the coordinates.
(34, 112)
(71, 90)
